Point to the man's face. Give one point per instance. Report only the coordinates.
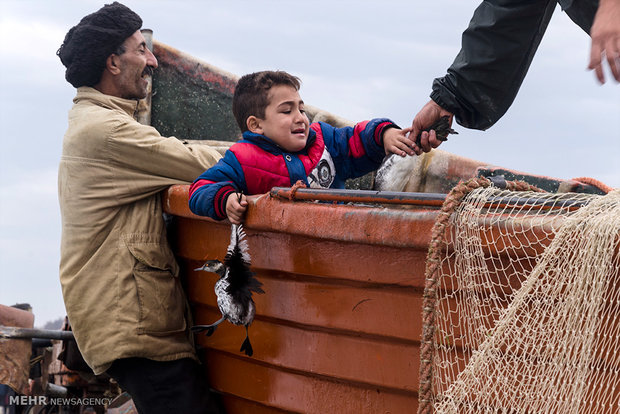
(285, 120)
(135, 63)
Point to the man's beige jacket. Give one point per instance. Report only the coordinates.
(119, 277)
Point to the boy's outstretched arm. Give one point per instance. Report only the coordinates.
(396, 141)
(360, 149)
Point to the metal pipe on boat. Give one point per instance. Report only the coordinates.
(419, 199)
(11, 332)
(41, 343)
(54, 390)
(359, 196)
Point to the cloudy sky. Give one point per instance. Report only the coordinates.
(357, 58)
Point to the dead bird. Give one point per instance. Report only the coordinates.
(234, 288)
(395, 171)
(442, 130)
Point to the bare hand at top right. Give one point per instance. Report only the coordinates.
(605, 35)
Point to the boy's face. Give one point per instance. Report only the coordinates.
(285, 120)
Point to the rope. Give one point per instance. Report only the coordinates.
(594, 183)
(438, 235)
(299, 184)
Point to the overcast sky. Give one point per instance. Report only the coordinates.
(358, 59)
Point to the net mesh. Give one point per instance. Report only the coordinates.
(526, 305)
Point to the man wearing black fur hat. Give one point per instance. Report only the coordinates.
(119, 277)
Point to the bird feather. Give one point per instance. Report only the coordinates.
(235, 286)
(241, 279)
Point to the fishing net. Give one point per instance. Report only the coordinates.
(522, 304)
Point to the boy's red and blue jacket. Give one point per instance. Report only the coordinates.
(256, 164)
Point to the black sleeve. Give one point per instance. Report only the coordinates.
(496, 51)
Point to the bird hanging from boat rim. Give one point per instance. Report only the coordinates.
(234, 288)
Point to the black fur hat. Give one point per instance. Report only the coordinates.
(88, 44)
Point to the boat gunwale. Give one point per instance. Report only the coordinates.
(357, 223)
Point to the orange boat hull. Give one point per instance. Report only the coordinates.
(339, 325)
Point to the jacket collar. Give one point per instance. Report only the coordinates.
(266, 144)
(86, 93)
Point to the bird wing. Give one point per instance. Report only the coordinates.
(241, 279)
(238, 243)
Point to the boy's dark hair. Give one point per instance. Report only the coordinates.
(252, 93)
(89, 43)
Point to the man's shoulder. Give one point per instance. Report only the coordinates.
(93, 119)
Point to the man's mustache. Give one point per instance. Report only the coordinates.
(148, 71)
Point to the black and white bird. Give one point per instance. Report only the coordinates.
(234, 288)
